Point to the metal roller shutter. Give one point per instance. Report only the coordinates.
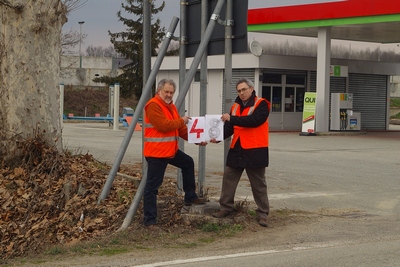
(287, 72)
(336, 84)
(236, 75)
(370, 98)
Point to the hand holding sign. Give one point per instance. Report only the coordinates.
(203, 129)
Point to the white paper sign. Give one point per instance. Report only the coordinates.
(202, 129)
(196, 130)
(214, 128)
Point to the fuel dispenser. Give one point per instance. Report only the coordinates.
(342, 116)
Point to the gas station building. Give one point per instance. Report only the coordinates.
(284, 79)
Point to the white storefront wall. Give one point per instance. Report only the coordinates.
(278, 120)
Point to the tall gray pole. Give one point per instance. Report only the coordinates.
(199, 53)
(135, 118)
(182, 73)
(61, 104)
(228, 67)
(80, 43)
(146, 61)
(203, 98)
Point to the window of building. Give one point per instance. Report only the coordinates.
(272, 78)
(274, 95)
(295, 79)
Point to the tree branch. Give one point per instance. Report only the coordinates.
(17, 7)
(73, 5)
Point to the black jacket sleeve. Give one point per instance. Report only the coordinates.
(257, 118)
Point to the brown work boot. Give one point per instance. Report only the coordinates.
(221, 214)
(262, 222)
(197, 201)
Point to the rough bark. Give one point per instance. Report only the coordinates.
(29, 71)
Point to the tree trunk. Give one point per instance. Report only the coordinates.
(29, 71)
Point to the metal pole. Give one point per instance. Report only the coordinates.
(182, 73)
(203, 99)
(135, 118)
(146, 62)
(80, 43)
(200, 50)
(116, 107)
(62, 104)
(111, 100)
(228, 68)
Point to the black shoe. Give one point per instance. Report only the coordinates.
(197, 201)
(221, 214)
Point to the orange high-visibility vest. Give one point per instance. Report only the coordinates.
(249, 137)
(158, 144)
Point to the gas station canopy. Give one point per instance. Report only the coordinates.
(375, 21)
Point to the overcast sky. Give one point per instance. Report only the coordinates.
(100, 17)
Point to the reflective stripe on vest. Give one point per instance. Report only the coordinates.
(249, 137)
(160, 139)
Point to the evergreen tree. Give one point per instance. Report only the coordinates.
(129, 44)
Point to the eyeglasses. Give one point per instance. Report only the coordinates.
(242, 90)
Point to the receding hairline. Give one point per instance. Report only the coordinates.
(165, 81)
(246, 81)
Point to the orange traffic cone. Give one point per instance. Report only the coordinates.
(138, 127)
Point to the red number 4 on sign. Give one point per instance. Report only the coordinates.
(195, 130)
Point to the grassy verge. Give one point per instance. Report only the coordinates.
(395, 103)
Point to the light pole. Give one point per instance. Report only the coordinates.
(80, 43)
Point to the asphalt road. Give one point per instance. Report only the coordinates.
(354, 176)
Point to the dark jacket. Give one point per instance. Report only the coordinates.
(237, 156)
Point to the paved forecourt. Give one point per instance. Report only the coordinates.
(354, 171)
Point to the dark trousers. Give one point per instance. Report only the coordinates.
(258, 187)
(155, 175)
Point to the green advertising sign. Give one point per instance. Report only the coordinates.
(308, 125)
(339, 71)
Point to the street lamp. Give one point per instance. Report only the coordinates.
(80, 43)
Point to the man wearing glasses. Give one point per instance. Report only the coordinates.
(248, 123)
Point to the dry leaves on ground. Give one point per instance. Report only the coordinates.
(48, 198)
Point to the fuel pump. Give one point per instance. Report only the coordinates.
(342, 116)
(343, 119)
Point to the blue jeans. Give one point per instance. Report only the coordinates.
(155, 175)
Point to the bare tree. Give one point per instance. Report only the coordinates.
(72, 5)
(69, 40)
(30, 49)
(99, 51)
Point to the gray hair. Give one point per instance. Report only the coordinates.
(245, 80)
(164, 81)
